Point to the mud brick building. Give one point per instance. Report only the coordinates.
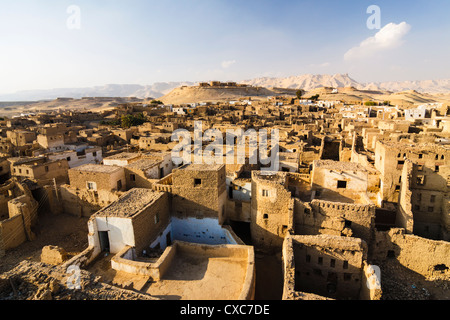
(272, 209)
(136, 219)
(40, 169)
(96, 177)
(329, 266)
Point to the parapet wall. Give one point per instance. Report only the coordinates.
(123, 261)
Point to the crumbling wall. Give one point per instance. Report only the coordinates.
(360, 218)
(22, 215)
(12, 232)
(53, 255)
(26, 207)
(308, 221)
(404, 214)
(424, 256)
(84, 203)
(8, 191)
(324, 265)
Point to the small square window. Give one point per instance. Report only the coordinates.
(132, 177)
(265, 193)
(320, 260)
(433, 198)
(345, 265)
(342, 184)
(430, 209)
(308, 258)
(197, 182)
(436, 169)
(420, 155)
(332, 263)
(347, 276)
(265, 216)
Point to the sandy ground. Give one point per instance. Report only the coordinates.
(66, 231)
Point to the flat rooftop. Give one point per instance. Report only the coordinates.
(130, 204)
(97, 168)
(202, 167)
(339, 165)
(193, 277)
(206, 273)
(143, 164)
(123, 156)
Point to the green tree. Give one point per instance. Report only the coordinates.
(129, 120)
(300, 93)
(370, 103)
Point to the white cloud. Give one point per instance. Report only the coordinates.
(227, 64)
(389, 37)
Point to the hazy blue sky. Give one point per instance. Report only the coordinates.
(142, 42)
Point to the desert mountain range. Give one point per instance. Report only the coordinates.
(306, 82)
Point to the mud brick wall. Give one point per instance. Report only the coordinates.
(151, 222)
(330, 266)
(360, 218)
(272, 210)
(206, 198)
(104, 180)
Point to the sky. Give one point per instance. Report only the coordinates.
(47, 44)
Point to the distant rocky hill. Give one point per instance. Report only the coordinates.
(309, 82)
(306, 82)
(192, 94)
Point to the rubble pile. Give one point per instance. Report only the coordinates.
(39, 281)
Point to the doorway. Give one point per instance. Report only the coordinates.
(168, 239)
(104, 241)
